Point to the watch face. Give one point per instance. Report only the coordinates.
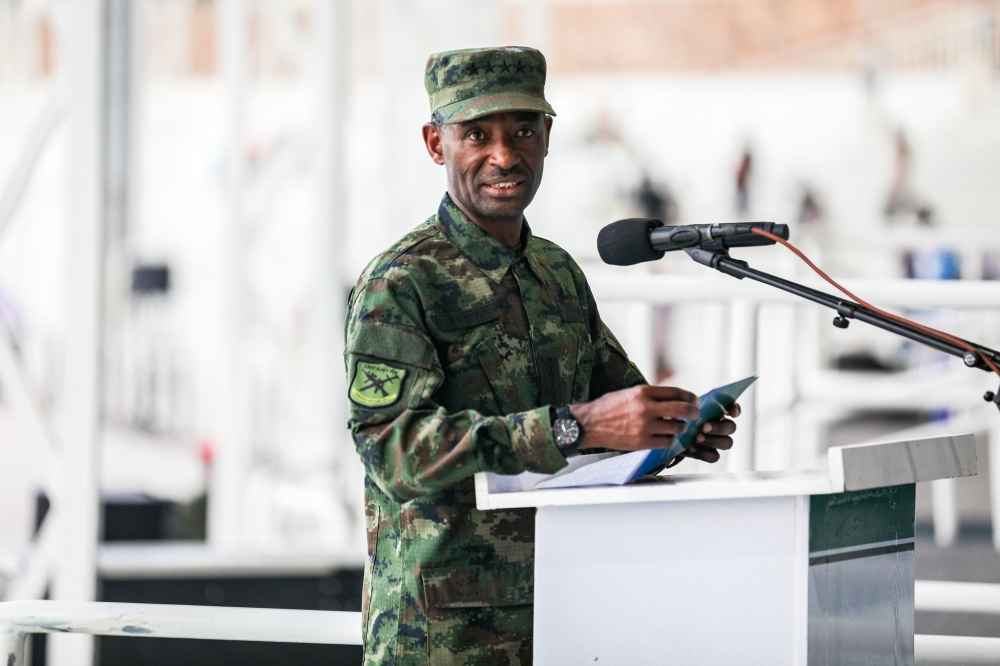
(567, 431)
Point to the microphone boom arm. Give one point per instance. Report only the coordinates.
(847, 310)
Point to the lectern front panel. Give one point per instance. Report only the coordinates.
(691, 582)
(861, 569)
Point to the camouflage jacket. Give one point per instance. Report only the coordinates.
(456, 346)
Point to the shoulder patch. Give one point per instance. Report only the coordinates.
(376, 384)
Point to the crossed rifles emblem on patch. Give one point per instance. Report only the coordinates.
(376, 384)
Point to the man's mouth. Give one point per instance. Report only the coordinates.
(504, 187)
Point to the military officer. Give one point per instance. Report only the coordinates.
(473, 345)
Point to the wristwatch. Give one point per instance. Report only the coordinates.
(567, 431)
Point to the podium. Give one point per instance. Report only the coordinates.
(797, 567)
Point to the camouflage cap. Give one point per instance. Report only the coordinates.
(471, 83)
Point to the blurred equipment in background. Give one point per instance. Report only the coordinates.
(147, 382)
(148, 280)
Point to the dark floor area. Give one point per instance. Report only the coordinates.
(339, 590)
(971, 559)
(119, 651)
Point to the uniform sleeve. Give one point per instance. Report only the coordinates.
(410, 445)
(613, 370)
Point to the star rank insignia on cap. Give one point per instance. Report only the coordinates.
(376, 384)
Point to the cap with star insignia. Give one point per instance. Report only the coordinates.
(471, 83)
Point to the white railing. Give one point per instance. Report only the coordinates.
(955, 650)
(833, 391)
(658, 289)
(948, 597)
(20, 618)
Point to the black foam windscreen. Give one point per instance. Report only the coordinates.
(626, 242)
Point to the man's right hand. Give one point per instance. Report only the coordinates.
(641, 417)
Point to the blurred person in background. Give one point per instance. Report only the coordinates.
(743, 173)
(902, 204)
(472, 346)
(810, 210)
(655, 201)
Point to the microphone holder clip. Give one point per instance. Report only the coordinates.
(718, 259)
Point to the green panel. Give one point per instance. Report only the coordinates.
(861, 517)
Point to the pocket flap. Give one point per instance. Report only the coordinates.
(450, 321)
(570, 312)
(475, 587)
(391, 344)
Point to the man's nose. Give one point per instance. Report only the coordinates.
(502, 153)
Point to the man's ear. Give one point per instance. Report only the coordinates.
(548, 131)
(434, 142)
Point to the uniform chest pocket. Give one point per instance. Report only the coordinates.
(458, 336)
(564, 372)
(502, 378)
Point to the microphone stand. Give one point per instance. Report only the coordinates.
(720, 260)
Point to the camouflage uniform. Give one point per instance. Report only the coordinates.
(457, 346)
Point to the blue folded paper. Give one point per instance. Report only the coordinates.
(628, 467)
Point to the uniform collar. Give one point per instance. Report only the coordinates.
(490, 255)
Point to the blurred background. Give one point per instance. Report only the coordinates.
(189, 188)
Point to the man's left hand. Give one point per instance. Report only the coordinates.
(714, 437)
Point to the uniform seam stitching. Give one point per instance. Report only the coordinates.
(420, 237)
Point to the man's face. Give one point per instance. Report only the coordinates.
(494, 163)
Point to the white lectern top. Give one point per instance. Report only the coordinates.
(857, 467)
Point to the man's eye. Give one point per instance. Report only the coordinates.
(477, 135)
(525, 133)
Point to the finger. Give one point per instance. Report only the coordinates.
(709, 455)
(657, 427)
(654, 442)
(673, 410)
(670, 393)
(714, 442)
(735, 410)
(720, 427)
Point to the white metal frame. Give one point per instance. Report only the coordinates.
(20, 618)
(949, 597)
(75, 575)
(955, 650)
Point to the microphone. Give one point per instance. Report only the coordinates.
(639, 239)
